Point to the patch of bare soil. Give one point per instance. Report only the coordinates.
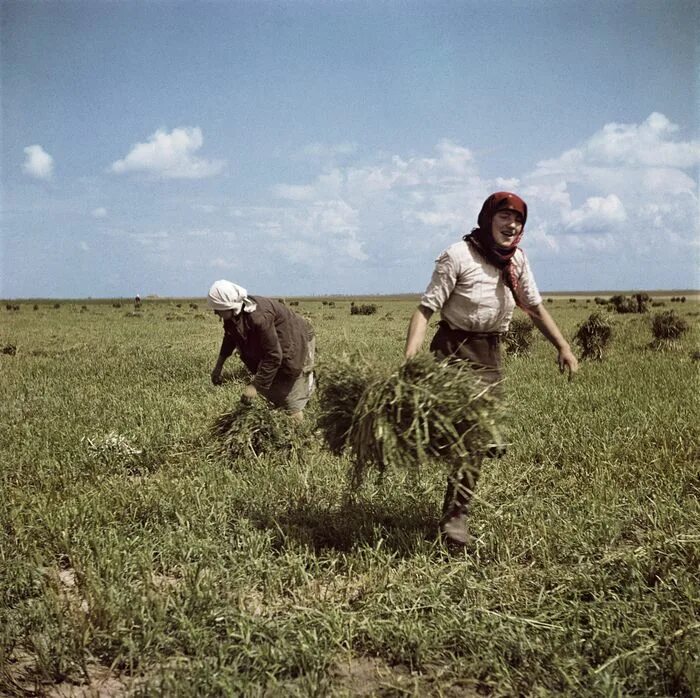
(367, 677)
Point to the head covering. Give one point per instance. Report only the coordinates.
(482, 238)
(500, 201)
(225, 295)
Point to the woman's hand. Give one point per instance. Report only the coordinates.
(567, 360)
(250, 392)
(216, 378)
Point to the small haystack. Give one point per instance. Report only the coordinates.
(400, 419)
(253, 430)
(593, 336)
(667, 327)
(518, 338)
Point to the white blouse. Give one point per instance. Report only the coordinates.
(470, 291)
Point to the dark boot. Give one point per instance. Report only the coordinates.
(453, 524)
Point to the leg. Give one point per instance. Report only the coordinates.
(460, 486)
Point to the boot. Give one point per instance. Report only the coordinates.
(453, 524)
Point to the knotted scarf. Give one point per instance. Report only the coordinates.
(225, 295)
(482, 239)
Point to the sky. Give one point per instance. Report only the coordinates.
(316, 147)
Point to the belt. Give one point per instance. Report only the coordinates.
(468, 333)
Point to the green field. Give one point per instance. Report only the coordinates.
(136, 558)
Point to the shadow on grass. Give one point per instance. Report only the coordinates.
(399, 527)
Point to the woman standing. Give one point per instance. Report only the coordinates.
(476, 285)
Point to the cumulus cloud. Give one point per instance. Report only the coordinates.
(643, 153)
(170, 156)
(596, 213)
(38, 163)
(396, 207)
(624, 177)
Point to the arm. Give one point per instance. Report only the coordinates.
(416, 330)
(442, 283)
(271, 355)
(546, 325)
(228, 346)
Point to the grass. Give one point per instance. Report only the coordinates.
(178, 570)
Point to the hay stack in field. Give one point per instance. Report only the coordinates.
(519, 337)
(593, 336)
(423, 410)
(667, 327)
(253, 430)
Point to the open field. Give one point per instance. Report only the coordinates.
(136, 558)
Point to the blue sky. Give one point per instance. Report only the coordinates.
(337, 147)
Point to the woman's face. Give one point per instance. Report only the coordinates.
(224, 314)
(506, 225)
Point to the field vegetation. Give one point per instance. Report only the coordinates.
(144, 550)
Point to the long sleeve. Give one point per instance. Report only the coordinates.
(271, 353)
(228, 346)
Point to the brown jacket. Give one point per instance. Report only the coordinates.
(272, 341)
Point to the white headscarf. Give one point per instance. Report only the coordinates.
(225, 295)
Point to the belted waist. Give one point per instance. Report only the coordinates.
(465, 334)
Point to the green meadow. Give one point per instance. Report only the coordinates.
(138, 558)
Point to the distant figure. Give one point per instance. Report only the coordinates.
(476, 285)
(275, 344)
(137, 301)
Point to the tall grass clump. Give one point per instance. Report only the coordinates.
(421, 411)
(518, 339)
(667, 327)
(593, 336)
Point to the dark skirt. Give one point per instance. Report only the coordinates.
(482, 350)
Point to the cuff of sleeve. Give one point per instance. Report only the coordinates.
(433, 307)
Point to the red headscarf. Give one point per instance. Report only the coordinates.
(482, 239)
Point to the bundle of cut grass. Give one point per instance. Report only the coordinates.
(519, 337)
(593, 336)
(343, 384)
(421, 411)
(253, 430)
(667, 327)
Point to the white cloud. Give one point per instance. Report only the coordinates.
(624, 177)
(84, 246)
(618, 148)
(171, 156)
(375, 217)
(100, 212)
(596, 213)
(38, 163)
